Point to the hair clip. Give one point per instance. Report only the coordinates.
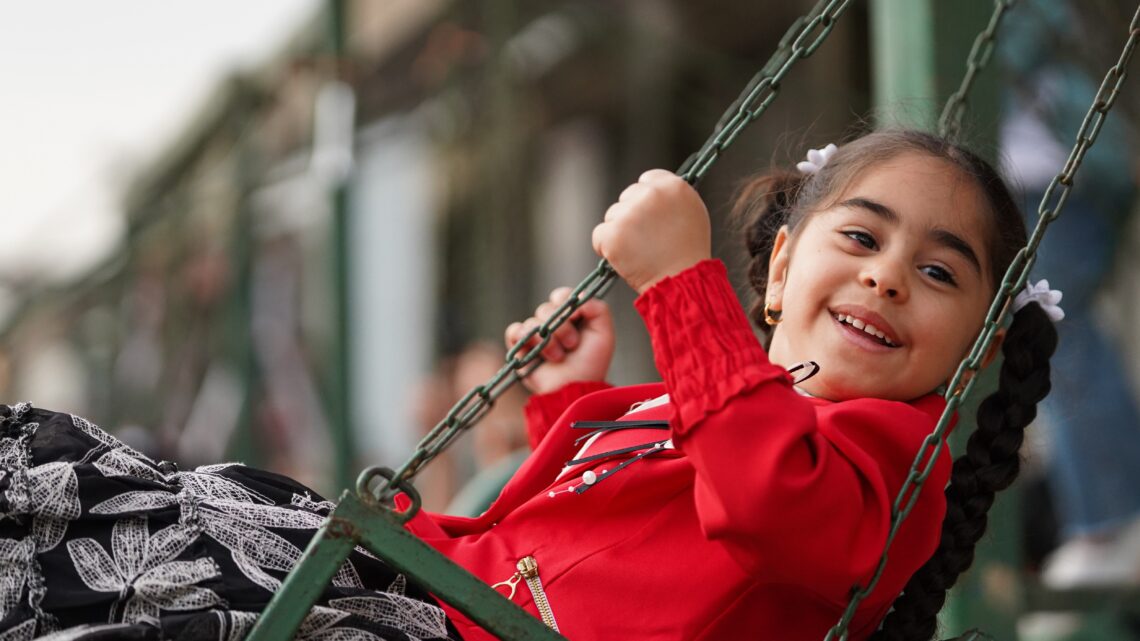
(1040, 293)
(810, 368)
(816, 159)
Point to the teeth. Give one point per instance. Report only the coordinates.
(866, 327)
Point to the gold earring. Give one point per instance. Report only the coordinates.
(772, 316)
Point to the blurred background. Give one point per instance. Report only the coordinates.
(291, 232)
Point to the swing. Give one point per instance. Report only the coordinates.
(369, 516)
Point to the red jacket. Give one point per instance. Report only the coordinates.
(757, 526)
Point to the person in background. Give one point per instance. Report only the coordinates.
(1092, 425)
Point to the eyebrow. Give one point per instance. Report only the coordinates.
(943, 237)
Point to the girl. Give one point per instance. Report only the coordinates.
(730, 501)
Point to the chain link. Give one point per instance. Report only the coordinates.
(1014, 280)
(805, 35)
(954, 112)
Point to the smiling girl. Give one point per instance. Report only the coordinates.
(879, 266)
(730, 501)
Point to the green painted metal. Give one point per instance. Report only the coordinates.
(902, 39)
(386, 537)
(324, 555)
(340, 397)
(917, 51)
(239, 321)
(382, 532)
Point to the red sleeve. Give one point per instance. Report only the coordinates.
(797, 490)
(543, 409)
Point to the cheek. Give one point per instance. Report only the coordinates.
(953, 329)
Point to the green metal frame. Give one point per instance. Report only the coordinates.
(381, 531)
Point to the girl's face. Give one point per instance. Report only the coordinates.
(900, 252)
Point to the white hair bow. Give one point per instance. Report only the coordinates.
(816, 159)
(1040, 293)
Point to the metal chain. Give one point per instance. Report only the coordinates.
(805, 35)
(953, 113)
(801, 40)
(1015, 277)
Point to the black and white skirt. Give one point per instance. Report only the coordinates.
(98, 541)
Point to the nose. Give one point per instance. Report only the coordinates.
(887, 280)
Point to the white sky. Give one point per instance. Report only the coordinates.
(92, 89)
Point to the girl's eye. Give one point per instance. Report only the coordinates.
(939, 274)
(861, 237)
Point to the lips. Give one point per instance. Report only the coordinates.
(872, 326)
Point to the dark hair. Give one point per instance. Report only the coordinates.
(992, 460)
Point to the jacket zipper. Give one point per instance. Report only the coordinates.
(528, 571)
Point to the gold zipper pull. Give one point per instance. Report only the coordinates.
(528, 567)
(512, 583)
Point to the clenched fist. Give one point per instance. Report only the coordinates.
(658, 227)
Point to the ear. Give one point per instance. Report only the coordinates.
(991, 353)
(778, 269)
(994, 348)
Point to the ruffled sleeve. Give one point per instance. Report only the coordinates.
(703, 344)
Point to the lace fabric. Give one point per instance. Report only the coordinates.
(99, 541)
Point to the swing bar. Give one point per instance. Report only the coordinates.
(381, 531)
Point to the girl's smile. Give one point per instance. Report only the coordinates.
(866, 328)
(886, 286)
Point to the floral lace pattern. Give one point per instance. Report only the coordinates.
(99, 541)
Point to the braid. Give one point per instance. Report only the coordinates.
(990, 464)
(764, 205)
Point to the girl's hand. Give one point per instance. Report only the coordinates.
(658, 227)
(579, 350)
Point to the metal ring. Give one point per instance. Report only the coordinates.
(385, 498)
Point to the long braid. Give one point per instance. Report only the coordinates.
(990, 464)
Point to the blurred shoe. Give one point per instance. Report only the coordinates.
(1082, 562)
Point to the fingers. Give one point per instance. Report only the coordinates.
(564, 338)
(633, 191)
(658, 176)
(650, 186)
(516, 332)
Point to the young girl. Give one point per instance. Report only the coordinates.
(730, 501)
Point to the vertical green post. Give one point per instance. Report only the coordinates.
(920, 50)
(239, 324)
(341, 390)
(902, 59)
